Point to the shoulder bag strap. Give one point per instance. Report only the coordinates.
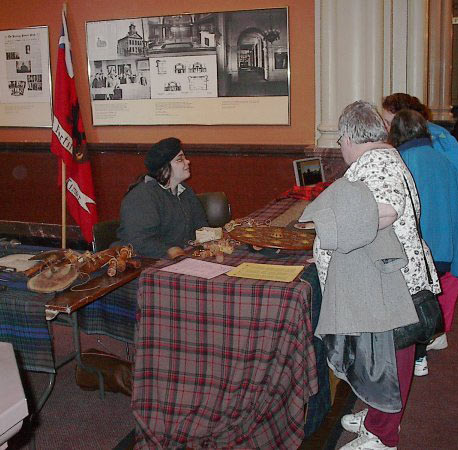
(430, 280)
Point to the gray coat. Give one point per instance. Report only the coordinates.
(365, 290)
(153, 219)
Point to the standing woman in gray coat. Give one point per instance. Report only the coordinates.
(378, 165)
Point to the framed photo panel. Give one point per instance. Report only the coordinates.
(25, 78)
(308, 171)
(219, 68)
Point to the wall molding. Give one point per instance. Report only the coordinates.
(192, 149)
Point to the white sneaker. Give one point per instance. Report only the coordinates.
(421, 367)
(353, 422)
(439, 343)
(366, 441)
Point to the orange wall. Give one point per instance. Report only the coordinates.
(25, 13)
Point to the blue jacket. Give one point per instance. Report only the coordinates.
(444, 142)
(437, 185)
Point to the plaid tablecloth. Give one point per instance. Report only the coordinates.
(113, 314)
(23, 324)
(22, 318)
(226, 362)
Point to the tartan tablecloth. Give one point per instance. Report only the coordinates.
(226, 362)
(23, 324)
(22, 318)
(113, 314)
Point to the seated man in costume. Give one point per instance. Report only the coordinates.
(159, 212)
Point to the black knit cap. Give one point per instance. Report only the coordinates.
(161, 153)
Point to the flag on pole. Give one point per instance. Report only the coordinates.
(68, 141)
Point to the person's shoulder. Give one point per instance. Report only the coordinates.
(378, 156)
(437, 131)
(374, 162)
(187, 189)
(143, 187)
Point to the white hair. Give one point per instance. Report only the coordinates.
(362, 123)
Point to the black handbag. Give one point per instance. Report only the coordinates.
(429, 313)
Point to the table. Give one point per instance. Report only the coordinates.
(25, 318)
(225, 362)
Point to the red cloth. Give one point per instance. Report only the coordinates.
(447, 299)
(306, 192)
(68, 141)
(386, 425)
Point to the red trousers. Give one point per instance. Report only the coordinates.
(447, 299)
(386, 425)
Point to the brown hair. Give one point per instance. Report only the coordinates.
(407, 124)
(162, 176)
(395, 102)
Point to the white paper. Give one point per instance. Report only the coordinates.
(19, 261)
(198, 268)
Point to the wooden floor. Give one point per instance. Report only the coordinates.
(329, 431)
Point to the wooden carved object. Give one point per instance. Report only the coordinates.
(59, 271)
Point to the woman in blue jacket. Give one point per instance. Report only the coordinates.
(442, 140)
(436, 179)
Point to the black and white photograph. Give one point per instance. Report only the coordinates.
(308, 171)
(23, 67)
(34, 82)
(251, 40)
(12, 55)
(215, 55)
(120, 79)
(16, 87)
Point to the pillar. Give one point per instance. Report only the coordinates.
(440, 59)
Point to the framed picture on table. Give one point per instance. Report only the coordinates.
(308, 171)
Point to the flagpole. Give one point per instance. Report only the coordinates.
(68, 143)
(64, 205)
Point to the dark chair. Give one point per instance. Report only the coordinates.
(215, 205)
(104, 233)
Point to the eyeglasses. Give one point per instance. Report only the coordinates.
(339, 140)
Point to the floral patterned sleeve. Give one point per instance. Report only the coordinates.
(382, 171)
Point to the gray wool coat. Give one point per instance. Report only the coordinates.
(152, 219)
(365, 290)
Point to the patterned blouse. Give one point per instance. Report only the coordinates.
(383, 171)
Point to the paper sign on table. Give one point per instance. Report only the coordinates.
(271, 272)
(197, 268)
(20, 262)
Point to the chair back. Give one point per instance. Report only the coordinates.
(104, 233)
(216, 207)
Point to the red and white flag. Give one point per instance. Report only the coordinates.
(69, 141)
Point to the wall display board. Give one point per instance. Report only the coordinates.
(25, 78)
(222, 68)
